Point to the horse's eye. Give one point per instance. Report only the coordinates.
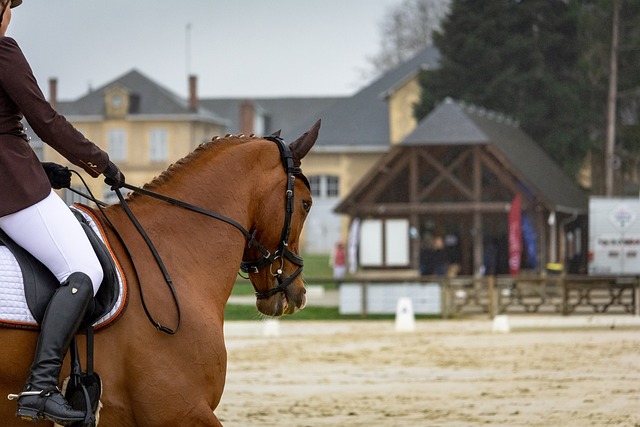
(306, 205)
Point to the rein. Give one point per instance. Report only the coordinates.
(267, 259)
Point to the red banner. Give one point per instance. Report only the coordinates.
(515, 236)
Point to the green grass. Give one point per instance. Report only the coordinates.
(317, 266)
(249, 312)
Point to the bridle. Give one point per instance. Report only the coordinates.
(268, 258)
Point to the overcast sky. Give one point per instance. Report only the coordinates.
(237, 47)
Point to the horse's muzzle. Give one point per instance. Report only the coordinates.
(287, 301)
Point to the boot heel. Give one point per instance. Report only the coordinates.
(28, 414)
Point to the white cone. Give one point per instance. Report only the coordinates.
(501, 324)
(405, 319)
(271, 328)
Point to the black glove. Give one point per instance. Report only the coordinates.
(59, 176)
(113, 176)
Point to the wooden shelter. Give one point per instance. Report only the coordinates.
(455, 176)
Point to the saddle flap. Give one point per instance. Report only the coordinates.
(108, 293)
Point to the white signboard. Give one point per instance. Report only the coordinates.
(371, 243)
(382, 298)
(394, 246)
(614, 236)
(397, 242)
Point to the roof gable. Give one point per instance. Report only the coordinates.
(456, 125)
(150, 99)
(447, 124)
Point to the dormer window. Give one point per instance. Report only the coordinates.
(116, 103)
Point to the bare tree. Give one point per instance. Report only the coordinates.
(406, 29)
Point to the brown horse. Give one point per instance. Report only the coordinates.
(154, 379)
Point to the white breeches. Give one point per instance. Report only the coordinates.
(49, 231)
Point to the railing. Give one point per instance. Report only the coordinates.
(543, 294)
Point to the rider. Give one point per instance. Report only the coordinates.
(33, 215)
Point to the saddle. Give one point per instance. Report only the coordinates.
(40, 284)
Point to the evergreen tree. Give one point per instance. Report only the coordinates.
(521, 58)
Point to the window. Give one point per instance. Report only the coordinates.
(333, 186)
(117, 145)
(158, 145)
(314, 183)
(325, 186)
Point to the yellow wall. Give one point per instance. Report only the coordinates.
(350, 167)
(401, 101)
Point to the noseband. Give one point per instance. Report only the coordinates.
(271, 259)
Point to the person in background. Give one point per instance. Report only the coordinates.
(433, 259)
(37, 219)
(338, 261)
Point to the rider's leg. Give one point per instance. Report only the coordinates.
(50, 232)
(60, 323)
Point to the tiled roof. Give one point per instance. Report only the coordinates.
(285, 113)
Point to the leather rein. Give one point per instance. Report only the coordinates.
(268, 258)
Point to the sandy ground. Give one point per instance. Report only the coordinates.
(446, 373)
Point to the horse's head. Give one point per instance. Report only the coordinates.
(275, 266)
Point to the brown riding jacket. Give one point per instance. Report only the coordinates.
(23, 182)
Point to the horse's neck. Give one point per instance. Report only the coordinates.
(193, 246)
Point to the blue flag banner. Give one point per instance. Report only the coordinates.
(530, 241)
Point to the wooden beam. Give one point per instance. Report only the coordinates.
(386, 176)
(445, 173)
(404, 209)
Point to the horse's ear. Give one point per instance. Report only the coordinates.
(276, 133)
(301, 146)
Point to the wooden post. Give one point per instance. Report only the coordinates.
(363, 305)
(611, 101)
(444, 298)
(491, 288)
(636, 297)
(565, 296)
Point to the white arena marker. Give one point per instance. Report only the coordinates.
(405, 319)
(501, 324)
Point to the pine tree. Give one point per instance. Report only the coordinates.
(520, 58)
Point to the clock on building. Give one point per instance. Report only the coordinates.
(116, 101)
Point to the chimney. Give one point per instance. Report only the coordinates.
(53, 92)
(193, 92)
(247, 113)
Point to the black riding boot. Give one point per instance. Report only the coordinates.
(41, 398)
